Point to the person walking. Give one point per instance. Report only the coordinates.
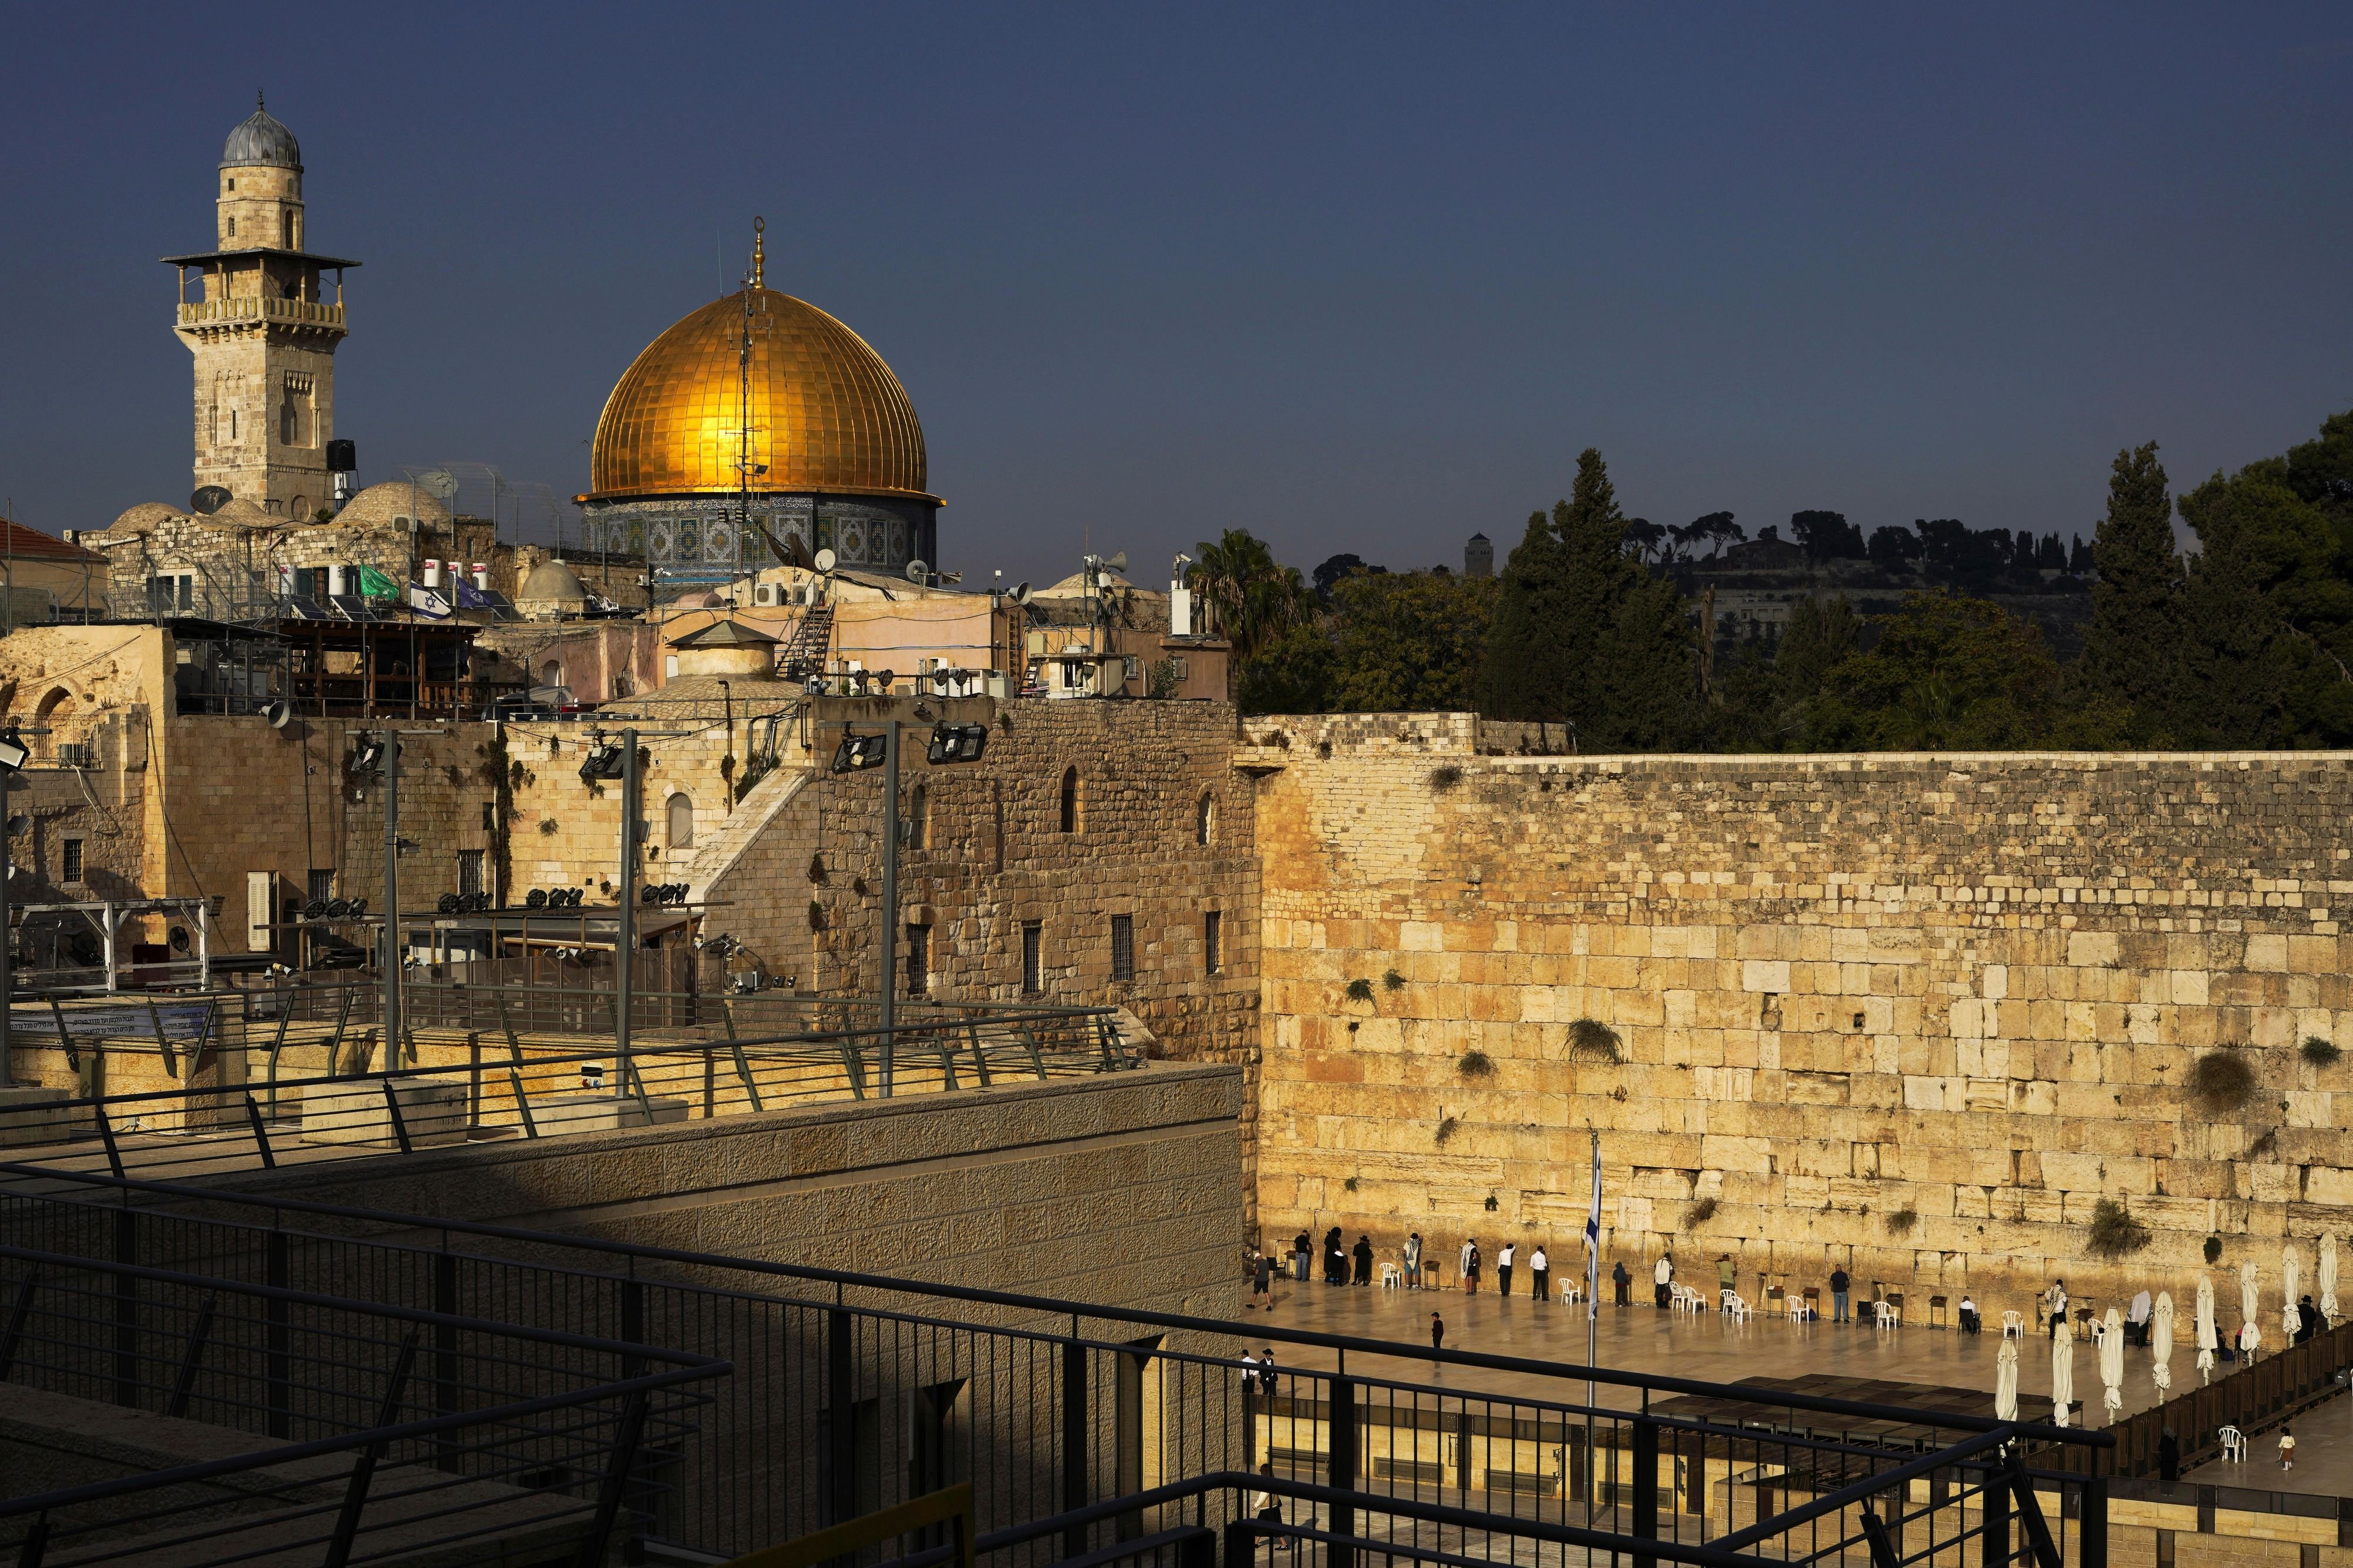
(1262, 1279)
(1363, 1252)
(1725, 1277)
(1264, 1507)
(1249, 1376)
(1437, 1333)
(2307, 1319)
(2287, 1448)
(1302, 1253)
(1504, 1270)
(1662, 1278)
(1266, 1373)
(1623, 1281)
(1413, 1261)
(1540, 1272)
(1840, 1286)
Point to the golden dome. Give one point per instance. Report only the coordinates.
(827, 413)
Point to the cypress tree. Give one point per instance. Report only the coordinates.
(2133, 647)
(1521, 670)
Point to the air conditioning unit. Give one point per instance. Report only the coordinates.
(765, 593)
(77, 755)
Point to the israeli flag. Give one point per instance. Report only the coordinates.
(1593, 1240)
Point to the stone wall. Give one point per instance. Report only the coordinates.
(1913, 1014)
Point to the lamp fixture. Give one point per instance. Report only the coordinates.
(858, 752)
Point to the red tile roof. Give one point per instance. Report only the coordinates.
(32, 544)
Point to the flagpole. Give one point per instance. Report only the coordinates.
(1592, 1316)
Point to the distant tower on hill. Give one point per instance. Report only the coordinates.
(1478, 557)
(263, 337)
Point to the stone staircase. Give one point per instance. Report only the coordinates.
(717, 849)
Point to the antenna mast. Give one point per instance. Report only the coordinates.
(754, 282)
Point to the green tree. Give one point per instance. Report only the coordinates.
(2132, 649)
(1248, 597)
(1407, 641)
(1583, 632)
(1950, 673)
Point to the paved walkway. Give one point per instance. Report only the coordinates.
(1707, 1346)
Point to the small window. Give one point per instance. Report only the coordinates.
(1130, 668)
(1210, 957)
(1123, 947)
(1033, 958)
(287, 226)
(919, 819)
(919, 961)
(72, 870)
(470, 872)
(682, 822)
(1205, 821)
(322, 885)
(1182, 669)
(489, 817)
(232, 229)
(1070, 800)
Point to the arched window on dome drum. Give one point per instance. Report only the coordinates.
(682, 822)
(1070, 800)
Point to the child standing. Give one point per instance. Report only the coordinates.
(2287, 1450)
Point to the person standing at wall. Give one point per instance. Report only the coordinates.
(1540, 1272)
(1413, 1261)
(1503, 1271)
(1840, 1286)
(1469, 1268)
(1363, 1252)
(1624, 1281)
(1303, 1251)
(1662, 1279)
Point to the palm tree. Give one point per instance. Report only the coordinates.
(1245, 594)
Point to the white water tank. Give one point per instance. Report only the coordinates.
(432, 572)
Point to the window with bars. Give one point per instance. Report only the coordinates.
(1033, 957)
(1123, 947)
(919, 961)
(470, 870)
(322, 884)
(71, 868)
(1211, 924)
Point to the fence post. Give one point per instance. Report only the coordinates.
(347, 1522)
(841, 1430)
(1074, 1440)
(126, 1310)
(2092, 1531)
(278, 1377)
(1994, 1537)
(445, 1352)
(185, 1385)
(617, 1478)
(1341, 1477)
(1646, 1487)
(260, 1134)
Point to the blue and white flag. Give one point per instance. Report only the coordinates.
(1593, 1240)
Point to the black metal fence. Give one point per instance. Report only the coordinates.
(1095, 1433)
(383, 1429)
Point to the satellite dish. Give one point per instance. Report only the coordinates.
(918, 573)
(824, 560)
(279, 712)
(208, 499)
(439, 482)
(1021, 593)
(1117, 563)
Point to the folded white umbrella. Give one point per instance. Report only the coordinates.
(2249, 1306)
(2005, 1381)
(2328, 1278)
(2208, 1343)
(2291, 1275)
(2112, 1364)
(2063, 1377)
(2160, 1339)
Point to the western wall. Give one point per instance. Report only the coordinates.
(1913, 1014)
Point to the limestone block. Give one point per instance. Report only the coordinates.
(31, 1115)
(432, 1111)
(600, 1112)
(1764, 975)
(2267, 952)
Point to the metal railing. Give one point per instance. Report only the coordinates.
(309, 1077)
(1089, 1430)
(2248, 1396)
(376, 1430)
(307, 312)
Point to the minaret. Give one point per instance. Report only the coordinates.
(263, 336)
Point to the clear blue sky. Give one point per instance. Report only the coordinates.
(1354, 278)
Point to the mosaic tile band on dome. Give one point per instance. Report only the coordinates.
(831, 425)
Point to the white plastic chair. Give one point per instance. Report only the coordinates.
(2233, 1441)
(2013, 1325)
(1391, 1278)
(1738, 1306)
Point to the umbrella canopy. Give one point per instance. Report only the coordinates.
(2249, 1307)
(2063, 1377)
(2329, 1278)
(2160, 1339)
(2112, 1364)
(2005, 1381)
(2291, 1276)
(2207, 1341)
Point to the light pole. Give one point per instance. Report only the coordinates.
(625, 927)
(391, 901)
(14, 755)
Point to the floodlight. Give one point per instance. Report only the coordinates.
(956, 743)
(858, 752)
(649, 894)
(338, 909)
(14, 752)
(447, 904)
(605, 761)
(367, 755)
(315, 909)
(535, 900)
